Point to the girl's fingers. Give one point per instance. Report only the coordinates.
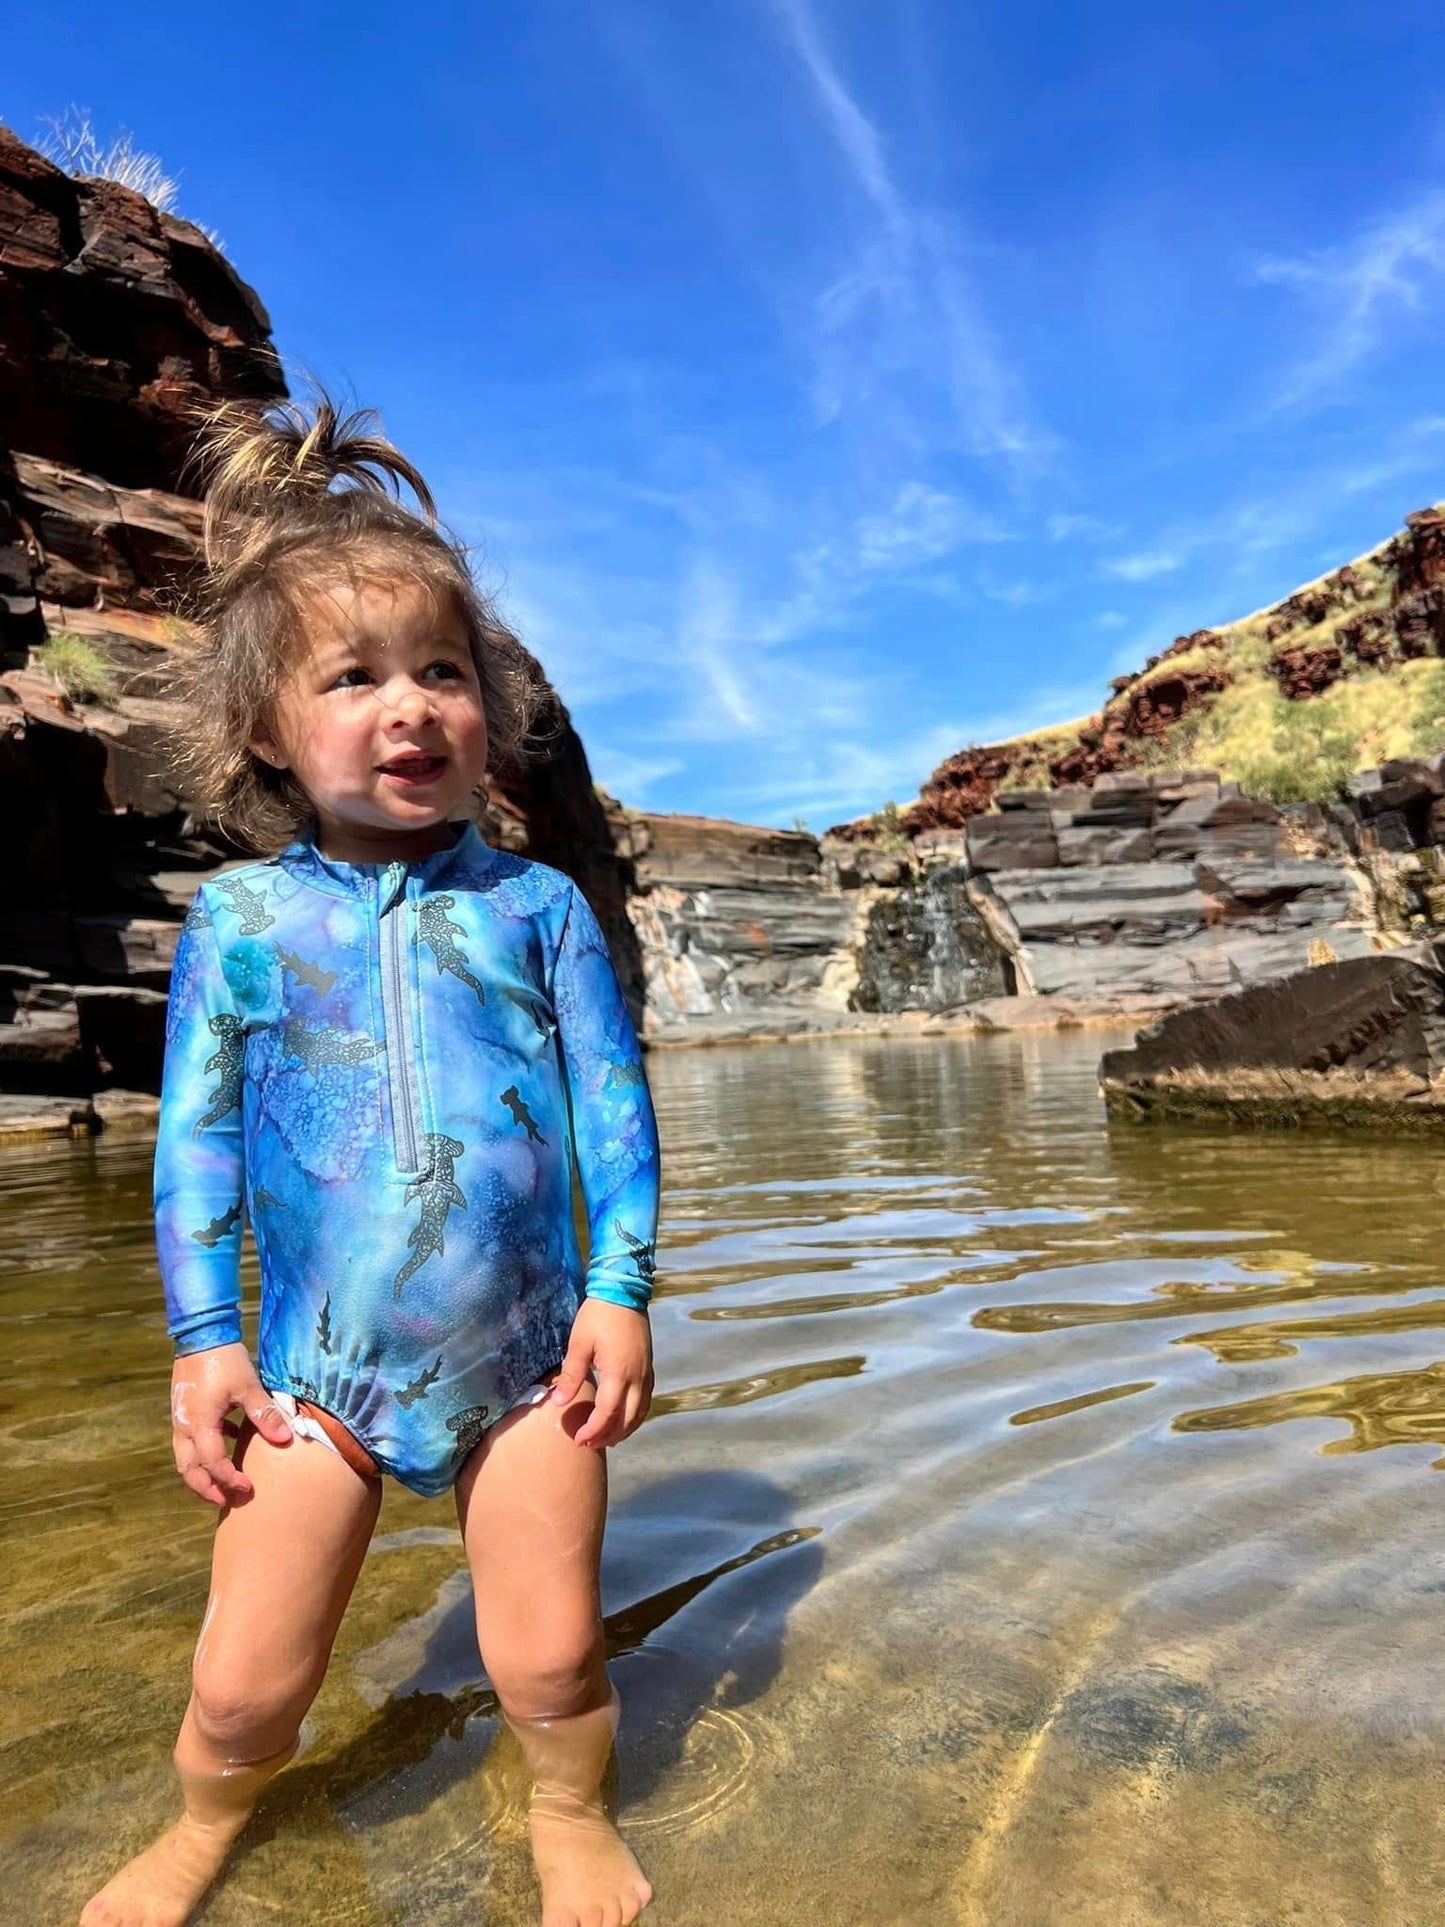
(204, 1486)
(608, 1403)
(194, 1474)
(572, 1377)
(212, 1458)
(631, 1413)
(267, 1417)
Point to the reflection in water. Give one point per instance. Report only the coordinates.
(1395, 1408)
(1061, 1407)
(965, 1569)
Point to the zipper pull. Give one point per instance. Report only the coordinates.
(390, 886)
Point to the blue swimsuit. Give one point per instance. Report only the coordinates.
(393, 1072)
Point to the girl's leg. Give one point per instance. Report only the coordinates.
(282, 1570)
(532, 1506)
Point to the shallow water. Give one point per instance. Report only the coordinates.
(1037, 1523)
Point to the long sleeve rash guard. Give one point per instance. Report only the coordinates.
(394, 1072)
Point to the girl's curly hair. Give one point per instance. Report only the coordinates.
(295, 503)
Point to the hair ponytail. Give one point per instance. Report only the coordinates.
(256, 465)
(294, 500)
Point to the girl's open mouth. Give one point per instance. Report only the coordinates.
(414, 772)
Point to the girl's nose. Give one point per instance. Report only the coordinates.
(407, 701)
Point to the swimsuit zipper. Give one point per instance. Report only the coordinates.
(400, 1064)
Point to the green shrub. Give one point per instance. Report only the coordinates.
(1305, 752)
(885, 824)
(79, 668)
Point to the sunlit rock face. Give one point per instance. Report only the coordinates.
(736, 919)
(115, 319)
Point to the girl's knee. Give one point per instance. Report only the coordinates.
(569, 1676)
(249, 1714)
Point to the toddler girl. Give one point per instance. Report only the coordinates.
(390, 1049)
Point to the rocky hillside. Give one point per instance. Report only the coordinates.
(1341, 676)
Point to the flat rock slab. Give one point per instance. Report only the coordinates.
(126, 1110)
(1361, 1041)
(23, 1117)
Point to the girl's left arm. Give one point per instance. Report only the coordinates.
(614, 1139)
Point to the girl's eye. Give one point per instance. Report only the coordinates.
(450, 667)
(341, 681)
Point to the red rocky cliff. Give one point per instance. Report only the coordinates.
(1387, 608)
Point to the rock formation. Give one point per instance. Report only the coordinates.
(114, 320)
(1383, 610)
(1356, 1042)
(1160, 889)
(731, 917)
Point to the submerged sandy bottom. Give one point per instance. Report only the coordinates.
(1036, 1524)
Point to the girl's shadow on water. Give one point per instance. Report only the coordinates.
(730, 1564)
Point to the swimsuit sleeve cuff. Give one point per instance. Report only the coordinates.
(204, 1333)
(633, 1297)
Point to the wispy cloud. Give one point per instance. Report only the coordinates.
(1394, 267)
(904, 305)
(922, 525)
(1143, 567)
(823, 781)
(1072, 528)
(627, 775)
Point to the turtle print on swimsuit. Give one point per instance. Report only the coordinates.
(413, 1303)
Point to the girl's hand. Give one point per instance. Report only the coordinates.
(619, 1342)
(204, 1387)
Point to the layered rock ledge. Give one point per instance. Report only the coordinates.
(1356, 1043)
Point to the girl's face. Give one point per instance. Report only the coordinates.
(381, 722)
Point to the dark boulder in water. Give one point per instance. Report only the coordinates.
(1356, 1042)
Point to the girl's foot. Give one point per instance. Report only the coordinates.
(589, 1877)
(163, 1886)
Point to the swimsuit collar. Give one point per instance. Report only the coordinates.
(466, 857)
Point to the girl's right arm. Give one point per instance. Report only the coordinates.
(199, 1191)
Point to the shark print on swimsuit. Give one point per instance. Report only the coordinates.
(419, 1386)
(415, 1277)
(219, 1227)
(438, 1191)
(435, 929)
(230, 1063)
(535, 1008)
(642, 1253)
(517, 1105)
(310, 974)
(469, 1426)
(249, 905)
(318, 1046)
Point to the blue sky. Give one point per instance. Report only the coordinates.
(831, 384)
